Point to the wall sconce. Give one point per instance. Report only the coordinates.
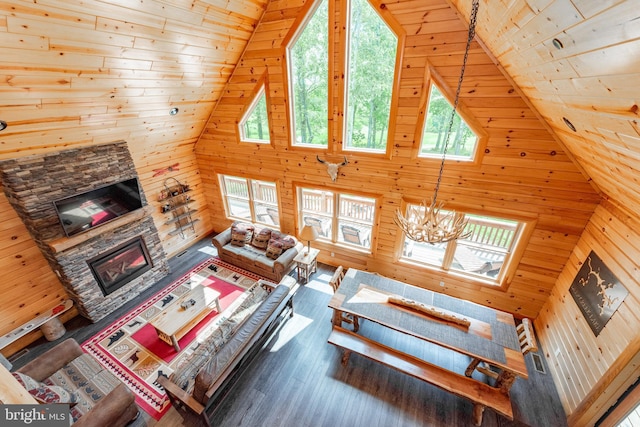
(3, 125)
(173, 111)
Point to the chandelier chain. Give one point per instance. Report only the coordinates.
(470, 35)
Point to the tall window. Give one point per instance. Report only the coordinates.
(338, 217)
(250, 199)
(254, 126)
(309, 77)
(486, 252)
(462, 142)
(370, 73)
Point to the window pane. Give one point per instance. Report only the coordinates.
(309, 74)
(484, 252)
(462, 142)
(262, 197)
(256, 124)
(317, 210)
(239, 208)
(266, 202)
(355, 219)
(372, 56)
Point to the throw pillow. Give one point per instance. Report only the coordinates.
(261, 238)
(44, 393)
(287, 241)
(274, 248)
(241, 233)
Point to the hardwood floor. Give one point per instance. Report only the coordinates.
(297, 379)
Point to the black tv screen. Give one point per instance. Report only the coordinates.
(85, 211)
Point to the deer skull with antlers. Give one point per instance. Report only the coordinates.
(332, 168)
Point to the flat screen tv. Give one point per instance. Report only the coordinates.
(85, 211)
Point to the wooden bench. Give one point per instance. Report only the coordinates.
(482, 395)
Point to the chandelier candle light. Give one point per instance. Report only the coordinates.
(426, 224)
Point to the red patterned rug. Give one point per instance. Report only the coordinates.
(130, 348)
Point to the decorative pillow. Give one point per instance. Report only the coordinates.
(241, 233)
(287, 241)
(42, 392)
(274, 248)
(261, 238)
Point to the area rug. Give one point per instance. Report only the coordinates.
(131, 350)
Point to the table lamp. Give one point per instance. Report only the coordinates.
(309, 234)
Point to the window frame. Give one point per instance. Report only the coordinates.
(313, 7)
(261, 88)
(524, 230)
(250, 199)
(336, 219)
(432, 78)
(398, 31)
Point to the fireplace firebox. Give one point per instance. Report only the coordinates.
(122, 264)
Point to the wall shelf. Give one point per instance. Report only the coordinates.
(176, 197)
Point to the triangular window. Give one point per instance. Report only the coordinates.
(254, 126)
(462, 142)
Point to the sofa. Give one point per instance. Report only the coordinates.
(65, 374)
(197, 386)
(261, 250)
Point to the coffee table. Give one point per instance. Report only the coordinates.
(176, 321)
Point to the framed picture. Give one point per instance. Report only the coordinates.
(598, 292)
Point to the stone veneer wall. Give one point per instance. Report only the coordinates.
(33, 183)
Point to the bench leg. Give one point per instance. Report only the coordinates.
(356, 324)
(505, 381)
(345, 357)
(478, 410)
(472, 367)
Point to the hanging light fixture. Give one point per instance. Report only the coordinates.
(427, 224)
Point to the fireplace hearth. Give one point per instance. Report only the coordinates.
(120, 265)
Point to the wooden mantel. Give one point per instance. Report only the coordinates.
(64, 243)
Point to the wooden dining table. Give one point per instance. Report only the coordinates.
(487, 334)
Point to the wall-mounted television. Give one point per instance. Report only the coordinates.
(90, 209)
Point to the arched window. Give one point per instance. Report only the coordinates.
(370, 76)
(308, 60)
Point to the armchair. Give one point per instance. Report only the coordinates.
(100, 398)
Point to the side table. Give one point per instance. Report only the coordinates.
(306, 263)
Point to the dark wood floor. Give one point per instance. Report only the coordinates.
(298, 380)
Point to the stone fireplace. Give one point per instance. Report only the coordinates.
(108, 265)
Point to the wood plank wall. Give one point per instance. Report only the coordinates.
(522, 170)
(592, 372)
(94, 72)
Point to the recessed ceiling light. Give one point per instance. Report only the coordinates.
(569, 124)
(173, 111)
(557, 43)
(3, 125)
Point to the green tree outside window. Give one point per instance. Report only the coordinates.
(255, 126)
(372, 58)
(462, 142)
(309, 75)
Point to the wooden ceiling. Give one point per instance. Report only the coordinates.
(592, 79)
(99, 71)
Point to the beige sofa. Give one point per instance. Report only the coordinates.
(261, 250)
